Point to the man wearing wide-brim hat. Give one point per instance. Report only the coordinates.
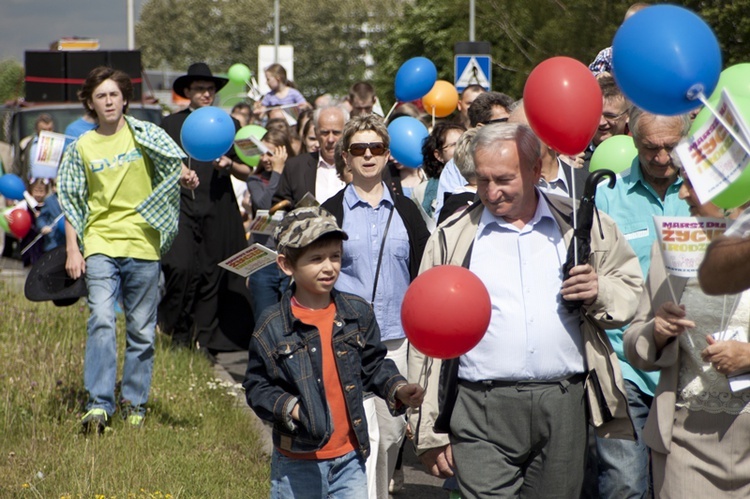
(203, 305)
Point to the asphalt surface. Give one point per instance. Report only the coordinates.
(231, 367)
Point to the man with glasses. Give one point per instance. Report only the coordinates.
(203, 305)
(381, 257)
(650, 187)
(614, 118)
(486, 109)
(315, 172)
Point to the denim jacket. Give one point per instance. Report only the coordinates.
(285, 366)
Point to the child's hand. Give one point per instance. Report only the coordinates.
(46, 230)
(411, 394)
(295, 412)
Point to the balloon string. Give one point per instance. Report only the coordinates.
(575, 217)
(701, 97)
(389, 112)
(190, 167)
(424, 374)
(40, 235)
(669, 283)
(433, 116)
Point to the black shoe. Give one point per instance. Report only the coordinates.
(95, 421)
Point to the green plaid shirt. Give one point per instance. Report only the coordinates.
(161, 209)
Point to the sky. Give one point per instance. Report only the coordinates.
(34, 24)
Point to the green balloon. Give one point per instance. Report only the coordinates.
(243, 133)
(737, 194)
(239, 73)
(736, 79)
(4, 222)
(615, 153)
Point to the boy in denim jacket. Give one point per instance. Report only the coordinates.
(311, 359)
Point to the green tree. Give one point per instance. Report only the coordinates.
(331, 39)
(731, 24)
(522, 34)
(11, 80)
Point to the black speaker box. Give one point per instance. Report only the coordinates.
(128, 61)
(45, 76)
(78, 65)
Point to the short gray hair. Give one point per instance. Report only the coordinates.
(462, 157)
(636, 113)
(528, 145)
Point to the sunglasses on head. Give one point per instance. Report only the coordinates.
(359, 149)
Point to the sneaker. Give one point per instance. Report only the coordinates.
(95, 420)
(135, 420)
(397, 482)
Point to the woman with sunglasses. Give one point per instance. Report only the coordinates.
(698, 427)
(381, 257)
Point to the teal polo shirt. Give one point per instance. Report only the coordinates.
(632, 204)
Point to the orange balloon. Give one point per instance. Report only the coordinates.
(441, 100)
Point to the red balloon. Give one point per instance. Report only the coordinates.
(563, 103)
(446, 311)
(19, 223)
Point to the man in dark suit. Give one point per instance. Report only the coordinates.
(204, 305)
(315, 172)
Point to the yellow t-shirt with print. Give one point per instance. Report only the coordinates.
(119, 178)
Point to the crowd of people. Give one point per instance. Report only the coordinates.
(623, 395)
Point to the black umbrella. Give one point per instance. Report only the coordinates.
(580, 247)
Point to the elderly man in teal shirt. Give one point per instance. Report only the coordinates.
(650, 187)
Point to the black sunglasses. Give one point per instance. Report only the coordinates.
(496, 120)
(359, 149)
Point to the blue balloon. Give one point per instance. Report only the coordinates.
(11, 186)
(407, 135)
(414, 79)
(207, 133)
(663, 56)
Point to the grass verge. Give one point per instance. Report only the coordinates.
(197, 441)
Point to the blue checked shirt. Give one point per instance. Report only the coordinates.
(161, 209)
(365, 224)
(603, 62)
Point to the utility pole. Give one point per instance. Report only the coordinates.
(276, 31)
(471, 20)
(131, 25)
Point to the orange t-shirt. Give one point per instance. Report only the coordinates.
(343, 439)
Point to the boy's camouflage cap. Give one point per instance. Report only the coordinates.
(302, 226)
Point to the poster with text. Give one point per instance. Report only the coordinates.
(683, 241)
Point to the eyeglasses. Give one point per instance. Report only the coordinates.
(496, 120)
(613, 117)
(201, 89)
(359, 149)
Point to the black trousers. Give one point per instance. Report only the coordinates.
(202, 301)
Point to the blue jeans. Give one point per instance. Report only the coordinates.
(266, 287)
(342, 477)
(138, 282)
(624, 470)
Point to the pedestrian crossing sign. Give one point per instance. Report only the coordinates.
(473, 70)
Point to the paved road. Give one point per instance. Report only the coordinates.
(417, 483)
